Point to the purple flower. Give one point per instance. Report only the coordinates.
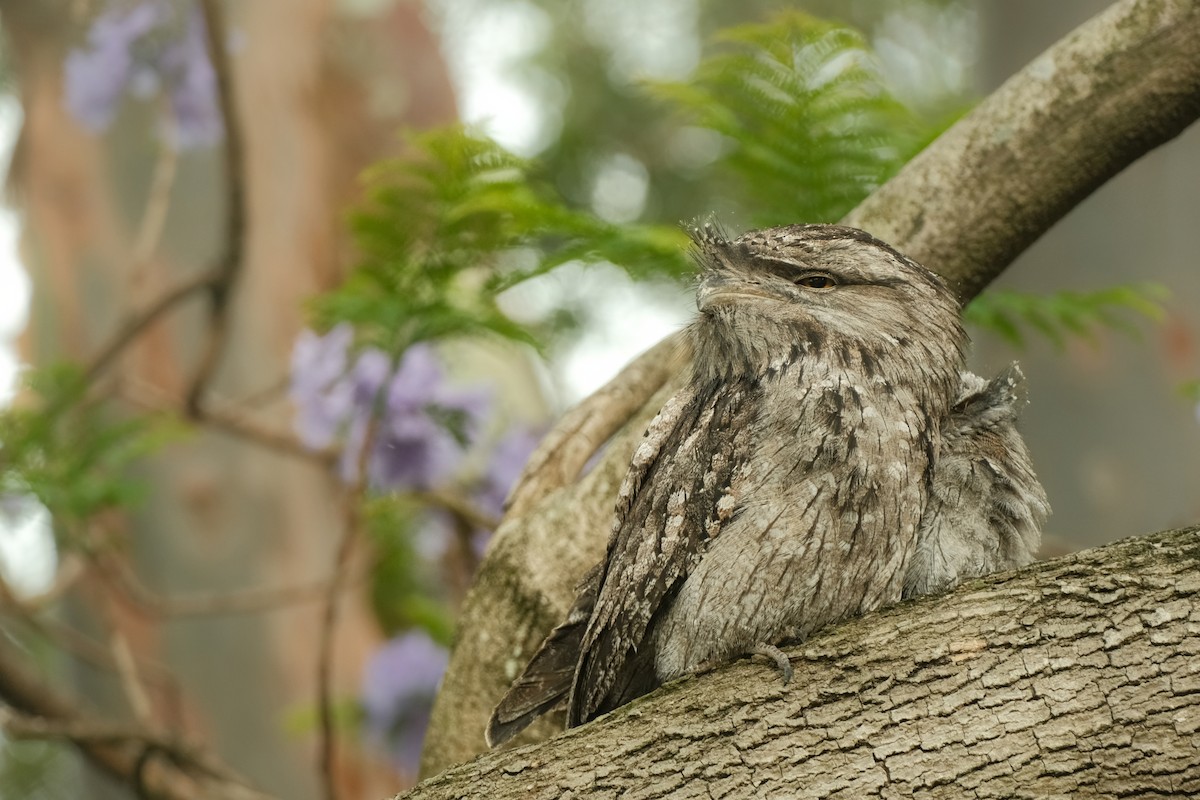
(424, 425)
(323, 400)
(193, 83)
(505, 466)
(95, 78)
(145, 48)
(398, 685)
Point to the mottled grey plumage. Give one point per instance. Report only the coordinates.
(986, 507)
(814, 467)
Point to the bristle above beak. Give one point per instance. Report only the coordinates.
(710, 244)
(708, 232)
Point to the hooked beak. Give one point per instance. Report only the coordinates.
(719, 287)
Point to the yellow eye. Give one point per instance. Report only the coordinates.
(816, 281)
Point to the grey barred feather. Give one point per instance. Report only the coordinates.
(986, 507)
(828, 456)
(547, 678)
(675, 498)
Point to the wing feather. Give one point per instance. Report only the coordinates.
(547, 677)
(679, 491)
(986, 506)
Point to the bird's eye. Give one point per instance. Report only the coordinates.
(816, 281)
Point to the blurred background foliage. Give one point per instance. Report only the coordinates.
(480, 259)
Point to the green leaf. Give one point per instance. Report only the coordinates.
(434, 233)
(1062, 315)
(811, 126)
(303, 719)
(70, 451)
(405, 592)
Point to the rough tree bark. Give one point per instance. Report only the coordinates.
(1117, 87)
(1076, 677)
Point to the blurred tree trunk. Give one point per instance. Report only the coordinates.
(320, 97)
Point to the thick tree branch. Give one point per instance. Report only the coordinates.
(1114, 89)
(1095, 102)
(562, 454)
(1072, 677)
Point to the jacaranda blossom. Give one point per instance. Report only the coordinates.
(421, 424)
(504, 466)
(143, 49)
(399, 682)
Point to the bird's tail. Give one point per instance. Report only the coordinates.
(548, 676)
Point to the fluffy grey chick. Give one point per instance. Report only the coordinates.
(785, 486)
(986, 508)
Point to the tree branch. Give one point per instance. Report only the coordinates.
(352, 498)
(121, 577)
(138, 323)
(1117, 87)
(226, 272)
(1075, 676)
(184, 773)
(966, 207)
(97, 732)
(563, 452)
(458, 507)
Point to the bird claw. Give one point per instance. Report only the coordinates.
(778, 656)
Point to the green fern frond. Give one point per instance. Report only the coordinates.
(67, 450)
(1062, 314)
(436, 231)
(811, 126)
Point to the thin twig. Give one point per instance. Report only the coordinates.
(123, 660)
(138, 323)
(37, 708)
(190, 758)
(266, 394)
(218, 282)
(131, 682)
(352, 497)
(149, 233)
(327, 746)
(247, 601)
(86, 648)
(154, 216)
(240, 425)
(22, 726)
(458, 507)
(250, 601)
(230, 263)
(68, 638)
(227, 419)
